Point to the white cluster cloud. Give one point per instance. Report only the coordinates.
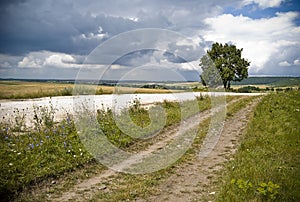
(261, 39)
(99, 35)
(297, 62)
(287, 64)
(264, 3)
(284, 64)
(47, 59)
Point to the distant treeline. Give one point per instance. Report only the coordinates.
(92, 82)
(274, 81)
(254, 89)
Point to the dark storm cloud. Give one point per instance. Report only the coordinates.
(46, 33)
(58, 25)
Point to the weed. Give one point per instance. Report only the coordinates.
(268, 191)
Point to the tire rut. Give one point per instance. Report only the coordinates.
(87, 188)
(193, 181)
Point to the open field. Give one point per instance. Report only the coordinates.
(29, 89)
(18, 89)
(48, 161)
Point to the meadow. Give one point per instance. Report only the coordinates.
(265, 167)
(16, 89)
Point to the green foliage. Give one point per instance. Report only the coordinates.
(223, 62)
(31, 155)
(268, 190)
(272, 81)
(108, 126)
(248, 89)
(50, 149)
(242, 184)
(269, 153)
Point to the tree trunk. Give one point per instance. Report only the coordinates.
(225, 84)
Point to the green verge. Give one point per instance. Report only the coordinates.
(267, 164)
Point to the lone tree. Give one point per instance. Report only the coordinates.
(225, 61)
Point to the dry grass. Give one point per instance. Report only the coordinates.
(23, 88)
(26, 89)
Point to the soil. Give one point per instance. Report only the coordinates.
(192, 181)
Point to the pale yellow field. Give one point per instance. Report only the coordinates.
(25, 89)
(8, 88)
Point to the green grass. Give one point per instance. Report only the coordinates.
(29, 156)
(267, 164)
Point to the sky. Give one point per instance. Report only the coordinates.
(144, 40)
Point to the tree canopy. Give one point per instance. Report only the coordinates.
(223, 63)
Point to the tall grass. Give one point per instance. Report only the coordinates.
(267, 164)
(49, 149)
(28, 156)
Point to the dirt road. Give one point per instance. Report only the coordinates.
(194, 181)
(191, 181)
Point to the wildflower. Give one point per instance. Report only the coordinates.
(68, 118)
(81, 154)
(69, 151)
(74, 156)
(10, 164)
(37, 145)
(65, 144)
(19, 153)
(31, 145)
